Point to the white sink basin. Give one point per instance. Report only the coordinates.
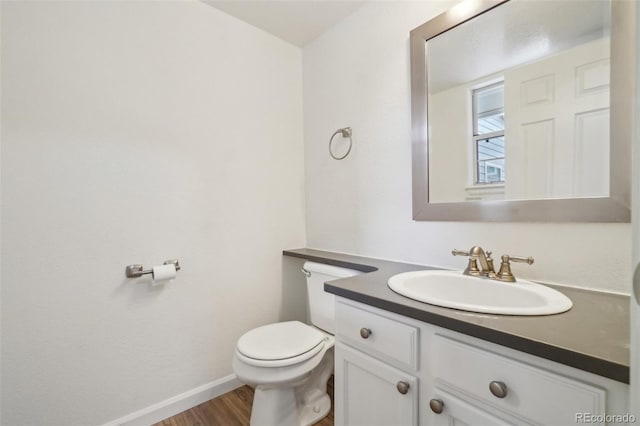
(452, 289)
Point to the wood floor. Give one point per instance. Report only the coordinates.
(231, 409)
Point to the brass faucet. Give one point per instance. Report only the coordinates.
(486, 270)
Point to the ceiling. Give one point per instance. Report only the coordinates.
(295, 21)
(513, 34)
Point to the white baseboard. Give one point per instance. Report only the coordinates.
(179, 403)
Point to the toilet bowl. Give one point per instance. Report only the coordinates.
(289, 363)
(290, 389)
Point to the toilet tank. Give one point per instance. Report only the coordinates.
(321, 303)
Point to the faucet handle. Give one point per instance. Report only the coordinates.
(505, 274)
(522, 259)
(472, 267)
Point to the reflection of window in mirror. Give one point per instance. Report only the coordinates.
(488, 134)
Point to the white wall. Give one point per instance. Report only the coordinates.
(134, 132)
(450, 133)
(357, 75)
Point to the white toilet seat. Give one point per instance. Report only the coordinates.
(277, 376)
(280, 344)
(280, 362)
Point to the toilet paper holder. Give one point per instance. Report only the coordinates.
(135, 271)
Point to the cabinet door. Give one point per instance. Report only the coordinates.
(457, 412)
(366, 391)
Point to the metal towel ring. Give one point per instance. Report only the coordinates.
(346, 133)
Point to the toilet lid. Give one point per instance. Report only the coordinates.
(279, 341)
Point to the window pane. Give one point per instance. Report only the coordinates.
(490, 124)
(490, 160)
(488, 109)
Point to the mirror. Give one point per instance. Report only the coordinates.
(521, 111)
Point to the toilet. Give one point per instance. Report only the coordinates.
(289, 363)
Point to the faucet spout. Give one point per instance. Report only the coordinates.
(476, 252)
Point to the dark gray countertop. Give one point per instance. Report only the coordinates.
(592, 336)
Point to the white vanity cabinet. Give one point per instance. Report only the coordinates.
(453, 379)
(376, 360)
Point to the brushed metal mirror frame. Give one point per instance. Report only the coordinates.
(614, 208)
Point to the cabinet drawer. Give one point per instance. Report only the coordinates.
(532, 393)
(388, 338)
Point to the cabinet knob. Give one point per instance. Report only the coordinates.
(403, 387)
(498, 389)
(436, 405)
(365, 333)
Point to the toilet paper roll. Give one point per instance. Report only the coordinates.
(163, 272)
